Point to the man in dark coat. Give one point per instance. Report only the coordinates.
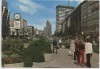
(55, 45)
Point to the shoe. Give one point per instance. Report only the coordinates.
(76, 63)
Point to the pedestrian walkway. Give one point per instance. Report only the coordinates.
(63, 60)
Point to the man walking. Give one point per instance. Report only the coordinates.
(55, 45)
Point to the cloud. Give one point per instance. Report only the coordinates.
(26, 9)
(32, 4)
(28, 6)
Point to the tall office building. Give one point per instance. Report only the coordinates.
(62, 12)
(5, 19)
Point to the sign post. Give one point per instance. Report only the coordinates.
(17, 17)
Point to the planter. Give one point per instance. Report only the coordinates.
(48, 57)
(15, 65)
(28, 64)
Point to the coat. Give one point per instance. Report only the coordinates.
(72, 47)
(88, 48)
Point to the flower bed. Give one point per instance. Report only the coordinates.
(14, 58)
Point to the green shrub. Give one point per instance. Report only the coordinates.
(37, 48)
(96, 49)
(10, 47)
(67, 45)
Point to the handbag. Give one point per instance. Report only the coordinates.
(57, 47)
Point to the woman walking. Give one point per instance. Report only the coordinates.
(81, 52)
(72, 47)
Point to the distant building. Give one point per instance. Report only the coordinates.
(90, 17)
(5, 19)
(62, 12)
(23, 27)
(39, 32)
(47, 29)
(30, 31)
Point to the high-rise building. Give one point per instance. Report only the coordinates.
(5, 19)
(47, 29)
(62, 12)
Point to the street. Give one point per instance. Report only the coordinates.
(63, 60)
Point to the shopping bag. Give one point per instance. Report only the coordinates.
(69, 52)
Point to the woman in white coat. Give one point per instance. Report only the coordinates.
(72, 47)
(88, 51)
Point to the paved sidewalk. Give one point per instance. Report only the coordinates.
(63, 60)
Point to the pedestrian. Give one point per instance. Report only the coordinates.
(72, 47)
(55, 45)
(77, 54)
(81, 52)
(94, 43)
(88, 51)
(60, 42)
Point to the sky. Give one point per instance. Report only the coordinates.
(37, 12)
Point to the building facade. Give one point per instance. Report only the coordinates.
(62, 12)
(84, 19)
(5, 19)
(30, 31)
(72, 24)
(90, 17)
(23, 27)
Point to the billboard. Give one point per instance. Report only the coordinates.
(16, 24)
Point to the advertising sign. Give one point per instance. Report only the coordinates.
(16, 24)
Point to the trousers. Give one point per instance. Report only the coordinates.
(82, 56)
(88, 56)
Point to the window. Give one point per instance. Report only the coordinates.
(89, 10)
